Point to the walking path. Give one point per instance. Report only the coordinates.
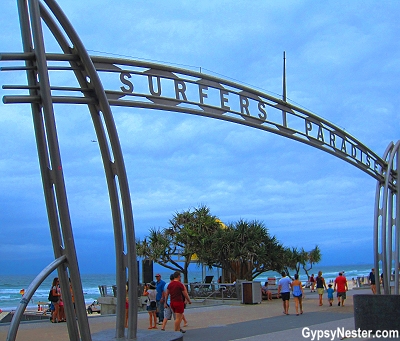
(225, 322)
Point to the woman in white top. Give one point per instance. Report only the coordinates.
(151, 293)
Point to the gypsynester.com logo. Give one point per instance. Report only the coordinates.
(341, 333)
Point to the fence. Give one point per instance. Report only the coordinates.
(196, 290)
(201, 290)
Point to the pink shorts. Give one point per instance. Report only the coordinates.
(178, 307)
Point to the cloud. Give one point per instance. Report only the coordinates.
(338, 67)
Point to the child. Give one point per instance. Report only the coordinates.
(330, 294)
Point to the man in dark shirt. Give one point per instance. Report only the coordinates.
(371, 279)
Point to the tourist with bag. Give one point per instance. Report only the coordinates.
(54, 297)
(179, 295)
(151, 293)
(168, 311)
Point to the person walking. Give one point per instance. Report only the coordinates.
(55, 300)
(168, 311)
(320, 286)
(151, 293)
(284, 288)
(72, 293)
(330, 294)
(371, 279)
(126, 304)
(179, 295)
(341, 288)
(312, 283)
(298, 293)
(160, 285)
(61, 311)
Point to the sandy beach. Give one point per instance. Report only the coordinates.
(205, 317)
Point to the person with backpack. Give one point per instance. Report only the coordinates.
(151, 293)
(54, 298)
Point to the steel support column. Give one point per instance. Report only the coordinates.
(387, 222)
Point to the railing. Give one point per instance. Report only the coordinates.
(111, 290)
(218, 291)
(196, 290)
(108, 290)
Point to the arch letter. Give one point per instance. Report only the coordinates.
(320, 135)
(332, 139)
(180, 88)
(263, 113)
(308, 126)
(244, 104)
(202, 95)
(343, 149)
(353, 151)
(224, 100)
(151, 87)
(124, 79)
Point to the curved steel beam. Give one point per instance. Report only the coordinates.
(378, 212)
(47, 146)
(192, 93)
(12, 332)
(386, 225)
(118, 168)
(105, 154)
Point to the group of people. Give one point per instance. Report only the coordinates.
(287, 286)
(372, 280)
(57, 303)
(170, 299)
(166, 299)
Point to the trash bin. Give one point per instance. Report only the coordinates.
(251, 292)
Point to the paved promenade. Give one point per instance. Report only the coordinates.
(256, 322)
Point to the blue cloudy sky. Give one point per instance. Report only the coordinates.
(343, 62)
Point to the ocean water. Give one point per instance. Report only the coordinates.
(10, 286)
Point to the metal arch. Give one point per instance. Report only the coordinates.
(99, 101)
(113, 169)
(52, 176)
(295, 123)
(283, 128)
(50, 162)
(387, 223)
(378, 212)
